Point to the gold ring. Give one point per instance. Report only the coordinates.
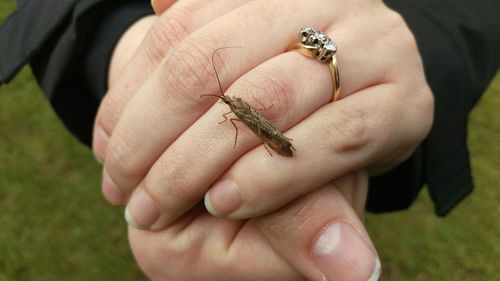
(316, 44)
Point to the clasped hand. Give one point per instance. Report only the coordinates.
(164, 152)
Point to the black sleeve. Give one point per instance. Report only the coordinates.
(459, 41)
(72, 67)
(68, 44)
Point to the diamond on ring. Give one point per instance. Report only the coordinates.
(318, 42)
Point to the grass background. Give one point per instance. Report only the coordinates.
(55, 225)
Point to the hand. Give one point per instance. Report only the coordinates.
(385, 110)
(132, 64)
(284, 245)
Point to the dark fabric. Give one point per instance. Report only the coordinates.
(21, 38)
(102, 43)
(67, 46)
(398, 188)
(458, 40)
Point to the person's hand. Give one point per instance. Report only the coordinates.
(137, 55)
(167, 148)
(317, 237)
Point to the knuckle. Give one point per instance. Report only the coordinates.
(348, 131)
(399, 31)
(291, 220)
(276, 96)
(166, 33)
(392, 19)
(406, 120)
(169, 180)
(186, 73)
(396, 36)
(423, 112)
(119, 165)
(426, 102)
(109, 110)
(177, 252)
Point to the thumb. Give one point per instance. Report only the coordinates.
(321, 235)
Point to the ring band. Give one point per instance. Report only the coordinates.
(316, 44)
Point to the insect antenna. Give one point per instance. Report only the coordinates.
(222, 96)
(207, 95)
(213, 65)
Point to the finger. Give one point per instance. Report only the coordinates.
(218, 249)
(213, 245)
(173, 26)
(180, 177)
(170, 101)
(363, 129)
(187, 73)
(354, 189)
(123, 52)
(322, 237)
(183, 18)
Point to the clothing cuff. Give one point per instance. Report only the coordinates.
(102, 42)
(445, 156)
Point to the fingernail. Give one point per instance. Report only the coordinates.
(223, 198)
(111, 191)
(341, 253)
(141, 211)
(99, 144)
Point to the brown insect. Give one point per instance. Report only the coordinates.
(247, 114)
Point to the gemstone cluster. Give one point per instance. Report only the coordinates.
(319, 43)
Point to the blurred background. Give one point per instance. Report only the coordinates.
(55, 224)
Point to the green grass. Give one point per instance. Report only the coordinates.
(54, 222)
(55, 225)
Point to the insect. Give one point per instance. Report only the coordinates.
(248, 115)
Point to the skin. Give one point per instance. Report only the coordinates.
(384, 112)
(277, 246)
(161, 101)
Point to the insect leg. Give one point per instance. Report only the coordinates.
(265, 108)
(236, 136)
(225, 117)
(267, 148)
(291, 146)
